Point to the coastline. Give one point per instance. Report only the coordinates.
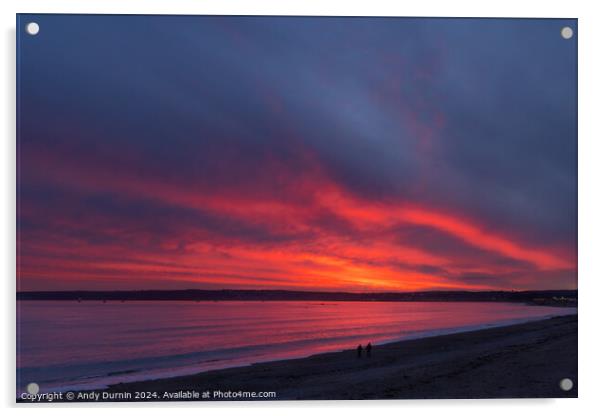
(534, 297)
(520, 360)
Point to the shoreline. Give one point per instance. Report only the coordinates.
(561, 297)
(512, 361)
(170, 373)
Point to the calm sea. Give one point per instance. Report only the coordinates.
(70, 345)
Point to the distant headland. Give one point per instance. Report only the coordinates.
(538, 297)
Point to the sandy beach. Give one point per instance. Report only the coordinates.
(518, 361)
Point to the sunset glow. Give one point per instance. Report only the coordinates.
(243, 163)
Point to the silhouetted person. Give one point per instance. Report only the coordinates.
(369, 350)
(359, 351)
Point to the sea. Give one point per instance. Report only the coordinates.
(70, 345)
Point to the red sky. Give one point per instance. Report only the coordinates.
(297, 231)
(316, 154)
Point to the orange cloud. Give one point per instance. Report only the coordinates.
(370, 258)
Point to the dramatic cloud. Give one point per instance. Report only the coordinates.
(324, 153)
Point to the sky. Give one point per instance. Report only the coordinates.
(353, 154)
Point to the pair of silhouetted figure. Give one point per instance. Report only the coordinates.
(368, 350)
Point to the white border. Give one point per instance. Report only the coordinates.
(590, 204)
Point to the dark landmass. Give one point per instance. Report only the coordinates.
(539, 297)
(519, 361)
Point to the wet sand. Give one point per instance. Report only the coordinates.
(524, 360)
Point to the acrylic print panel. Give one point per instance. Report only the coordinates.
(276, 208)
